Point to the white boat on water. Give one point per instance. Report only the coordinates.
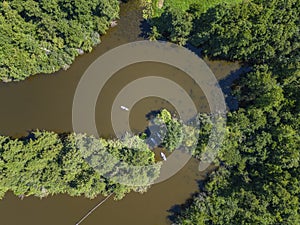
(124, 108)
(163, 156)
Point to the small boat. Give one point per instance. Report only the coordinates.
(124, 108)
(163, 156)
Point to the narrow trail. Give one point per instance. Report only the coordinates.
(93, 209)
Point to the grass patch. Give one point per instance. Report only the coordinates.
(184, 4)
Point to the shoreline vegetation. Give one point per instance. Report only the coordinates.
(40, 37)
(46, 163)
(258, 179)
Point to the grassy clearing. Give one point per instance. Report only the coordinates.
(184, 4)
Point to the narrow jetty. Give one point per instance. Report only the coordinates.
(93, 209)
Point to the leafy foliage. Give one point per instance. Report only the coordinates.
(45, 36)
(257, 180)
(176, 25)
(254, 31)
(173, 130)
(46, 163)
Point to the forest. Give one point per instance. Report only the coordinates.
(40, 37)
(258, 175)
(45, 163)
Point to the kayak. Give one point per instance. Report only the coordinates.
(124, 108)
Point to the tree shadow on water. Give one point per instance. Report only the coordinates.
(152, 114)
(145, 29)
(226, 86)
(176, 210)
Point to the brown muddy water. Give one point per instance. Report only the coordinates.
(45, 102)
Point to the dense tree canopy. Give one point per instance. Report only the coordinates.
(257, 180)
(45, 36)
(255, 31)
(171, 130)
(46, 163)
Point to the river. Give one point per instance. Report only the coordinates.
(45, 102)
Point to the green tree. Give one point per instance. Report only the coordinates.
(45, 36)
